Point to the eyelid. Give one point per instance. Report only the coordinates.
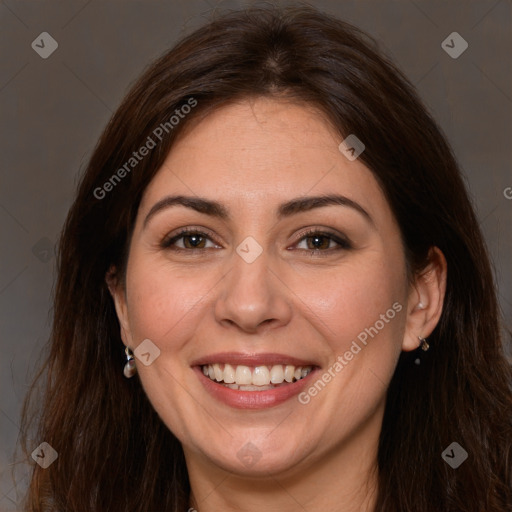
(189, 230)
(342, 240)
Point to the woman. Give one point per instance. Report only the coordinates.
(274, 241)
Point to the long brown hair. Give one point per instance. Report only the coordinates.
(115, 453)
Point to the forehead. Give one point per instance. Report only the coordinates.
(262, 150)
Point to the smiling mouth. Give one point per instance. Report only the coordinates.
(255, 378)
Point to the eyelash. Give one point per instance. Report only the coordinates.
(343, 244)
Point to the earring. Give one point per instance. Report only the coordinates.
(129, 368)
(424, 345)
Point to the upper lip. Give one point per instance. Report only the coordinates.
(251, 359)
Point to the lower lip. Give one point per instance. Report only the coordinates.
(253, 399)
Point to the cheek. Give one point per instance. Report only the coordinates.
(359, 310)
(162, 299)
(355, 299)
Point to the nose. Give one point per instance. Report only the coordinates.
(252, 297)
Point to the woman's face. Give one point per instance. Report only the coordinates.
(269, 284)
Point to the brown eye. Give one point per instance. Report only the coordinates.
(194, 241)
(318, 241)
(188, 240)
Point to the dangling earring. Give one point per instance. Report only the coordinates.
(129, 368)
(424, 345)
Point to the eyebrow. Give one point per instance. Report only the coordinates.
(292, 207)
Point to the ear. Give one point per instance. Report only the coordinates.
(426, 299)
(118, 293)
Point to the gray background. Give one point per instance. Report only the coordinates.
(54, 109)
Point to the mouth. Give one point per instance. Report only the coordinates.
(256, 381)
(255, 378)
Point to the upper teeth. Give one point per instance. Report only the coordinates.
(255, 375)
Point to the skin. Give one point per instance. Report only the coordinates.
(315, 456)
